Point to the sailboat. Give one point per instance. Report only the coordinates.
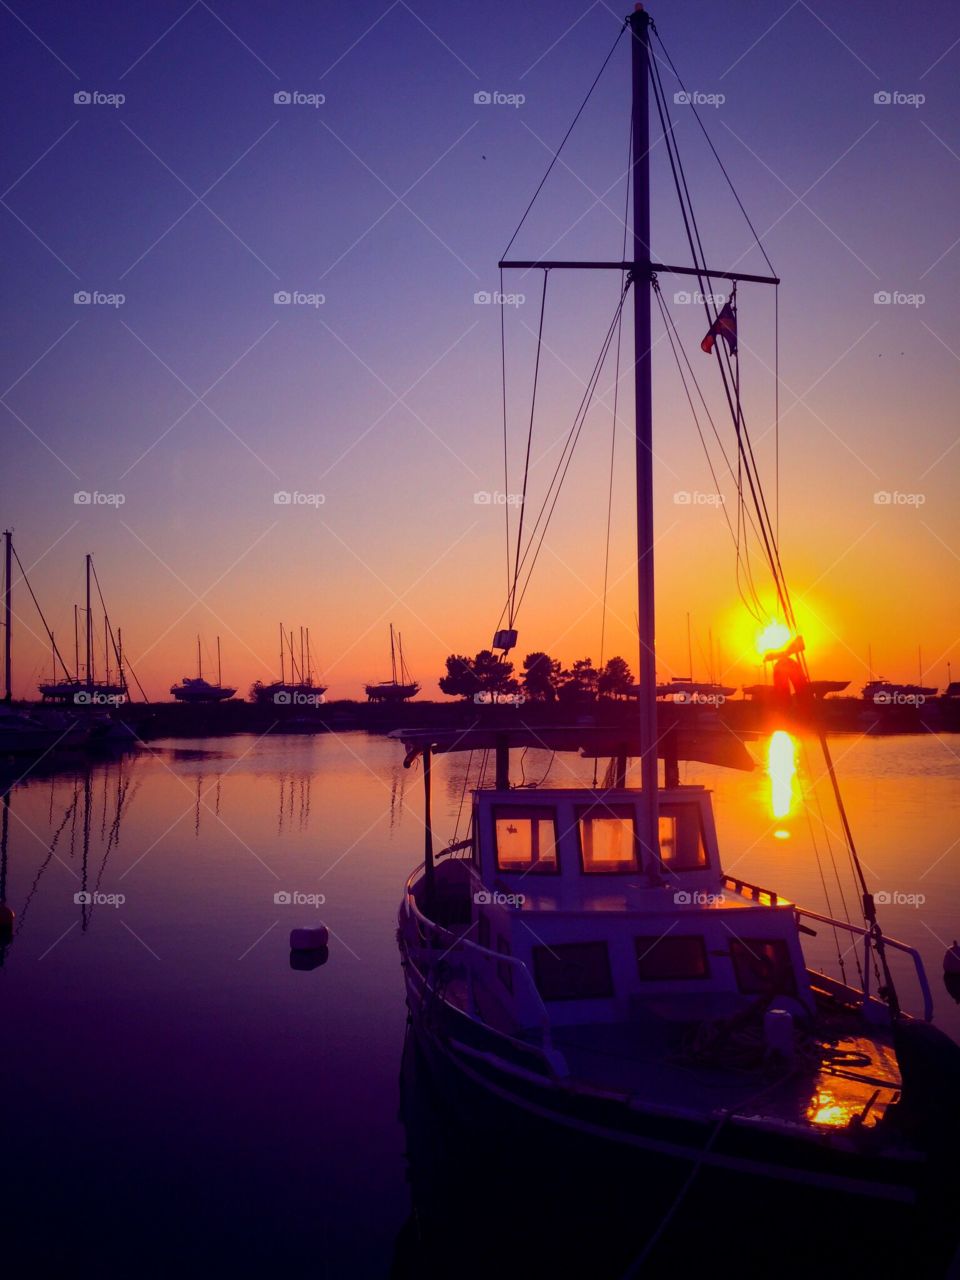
(582, 961)
(84, 686)
(400, 686)
(298, 689)
(196, 689)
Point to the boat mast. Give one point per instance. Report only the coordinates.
(7, 613)
(309, 668)
(89, 629)
(76, 641)
(219, 678)
(283, 669)
(643, 389)
(199, 662)
(393, 657)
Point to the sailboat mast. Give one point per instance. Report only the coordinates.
(309, 667)
(393, 657)
(199, 660)
(7, 613)
(219, 678)
(76, 641)
(283, 658)
(89, 630)
(643, 387)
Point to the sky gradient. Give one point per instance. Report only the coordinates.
(199, 397)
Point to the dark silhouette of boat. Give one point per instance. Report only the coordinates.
(400, 686)
(195, 689)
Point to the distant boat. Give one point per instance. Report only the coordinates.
(300, 690)
(197, 689)
(108, 689)
(886, 693)
(683, 689)
(400, 686)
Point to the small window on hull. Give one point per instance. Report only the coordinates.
(681, 840)
(526, 840)
(763, 968)
(608, 840)
(573, 971)
(667, 956)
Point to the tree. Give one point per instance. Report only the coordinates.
(580, 682)
(486, 673)
(615, 680)
(541, 677)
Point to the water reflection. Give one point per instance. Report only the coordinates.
(781, 770)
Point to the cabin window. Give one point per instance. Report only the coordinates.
(667, 956)
(763, 968)
(681, 839)
(573, 971)
(608, 839)
(504, 971)
(526, 839)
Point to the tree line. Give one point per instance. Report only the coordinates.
(541, 679)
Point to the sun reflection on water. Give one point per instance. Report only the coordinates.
(781, 770)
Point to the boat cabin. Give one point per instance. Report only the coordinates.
(558, 884)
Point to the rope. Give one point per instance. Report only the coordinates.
(556, 154)
(526, 464)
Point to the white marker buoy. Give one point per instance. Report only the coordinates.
(312, 939)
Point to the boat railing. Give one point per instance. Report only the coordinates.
(755, 892)
(861, 932)
(494, 969)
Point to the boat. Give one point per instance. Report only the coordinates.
(582, 961)
(195, 689)
(686, 690)
(300, 690)
(885, 693)
(815, 689)
(23, 734)
(400, 687)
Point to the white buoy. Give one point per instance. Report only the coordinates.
(312, 939)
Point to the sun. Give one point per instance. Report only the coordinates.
(775, 635)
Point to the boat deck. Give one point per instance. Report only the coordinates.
(653, 1058)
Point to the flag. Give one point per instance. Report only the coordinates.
(726, 326)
